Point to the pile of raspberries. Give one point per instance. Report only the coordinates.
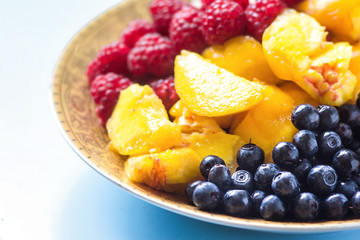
(145, 51)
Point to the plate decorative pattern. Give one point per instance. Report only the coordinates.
(75, 113)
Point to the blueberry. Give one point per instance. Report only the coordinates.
(207, 163)
(358, 101)
(272, 208)
(257, 196)
(346, 163)
(305, 207)
(285, 185)
(350, 114)
(335, 206)
(206, 196)
(347, 187)
(237, 203)
(314, 161)
(306, 143)
(356, 132)
(355, 204)
(243, 180)
(221, 177)
(264, 175)
(329, 143)
(356, 178)
(190, 189)
(250, 157)
(345, 133)
(329, 117)
(285, 155)
(305, 116)
(354, 145)
(322, 180)
(302, 170)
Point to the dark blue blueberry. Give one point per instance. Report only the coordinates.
(264, 175)
(347, 187)
(190, 189)
(243, 180)
(305, 116)
(257, 196)
(237, 203)
(329, 117)
(354, 145)
(207, 163)
(355, 204)
(285, 155)
(335, 206)
(206, 196)
(356, 178)
(350, 114)
(250, 157)
(356, 132)
(345, 133)
(322, 180)
(272, 208)
(221, 177)
(305, 207)
(329, 143)
(306, 143)
(358, 101)
(314, 161)
(285, 185)
(346, 163)
(302, 170)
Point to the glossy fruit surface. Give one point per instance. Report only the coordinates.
(335, 206)
(190, 189)
(264, 175)
(208, 90)
(285, 185)
(348, 187)
(346, 163)
(306, 143)
(206, 196)
(272, 208)
(305, 116)
(322, 180)
(221, 177)
(329, 117)
(355, 204)
(243, 180)
(237, 203)
(250, 157)
(208, 162)
(306, 207)
(285, 155)
(329, 143)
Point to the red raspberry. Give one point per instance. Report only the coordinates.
(152, 54)
(135, 30)
(165, 90)
(222, 20)
(291, 3)
(105, 90)
(185, 30)
(243, 3)
(260, 15)
(110, 58)
(162, 12)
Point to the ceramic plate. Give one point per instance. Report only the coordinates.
(75, 113)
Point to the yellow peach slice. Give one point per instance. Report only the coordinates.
(208, 90)
(140, 124)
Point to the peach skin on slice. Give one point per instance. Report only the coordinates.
(168, 170)
(355, 68)
(208, 90)
(140, 124)
(242, 56)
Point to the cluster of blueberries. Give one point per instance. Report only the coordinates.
(317, 176)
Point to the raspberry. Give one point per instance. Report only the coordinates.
(152, 54)
(135, 30)
(243, 3)
(110, 58)
(164, 89)
(185, 30)
(260, 15)
(105, 90)
(291, 3)
(162, 12)
(222, 20)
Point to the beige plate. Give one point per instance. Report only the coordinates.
(74, 109)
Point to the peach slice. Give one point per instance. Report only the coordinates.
(169, 170)
(208, 90)
(355, 68)
(242, 56)
(296, 49)
(140, 124)
(339, 16)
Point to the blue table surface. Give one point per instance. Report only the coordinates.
(46, 191)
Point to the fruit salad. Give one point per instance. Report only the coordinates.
(248, 107)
